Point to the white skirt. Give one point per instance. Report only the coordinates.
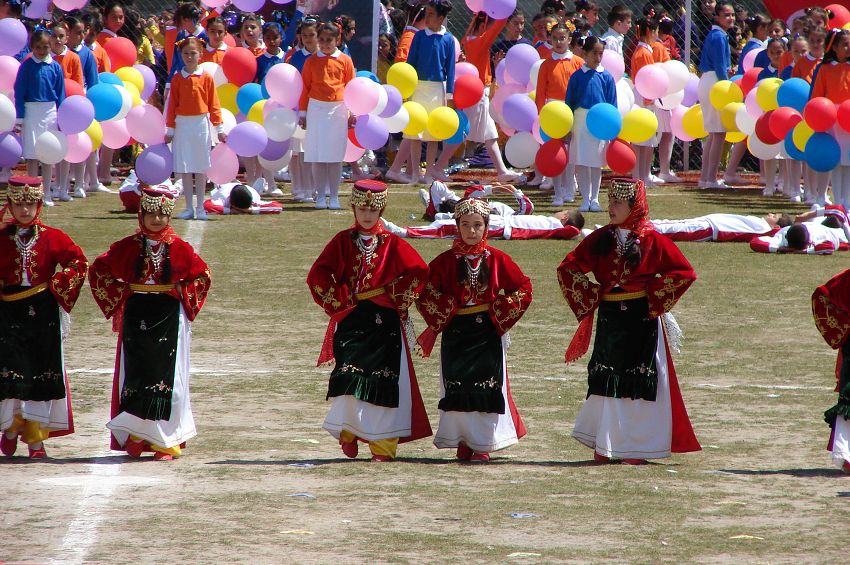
(480, 431)
(630, 429)
(664, 118)
(180, 427)
(370, 422)
(710, 116)
(39, 117)
(843, 139)
(192, 144)
(431, 95)
(327, 132)
(482, 127)
(585, 150)
(841, 441)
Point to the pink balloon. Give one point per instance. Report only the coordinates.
(8, 72)
(284, 85)
(464, 69)
(753, 108)
(457, 49)
(149, 81)
(475, 5)
(651, 82)
(115, 134)
(535, 131)
(69, 5)
(79, 148)
(352, 152)
(676, 123)
(249, 5)
(750, 58)
(146, 124)
(614, 64)
(361, 96)
(225, 164)
(503, 94)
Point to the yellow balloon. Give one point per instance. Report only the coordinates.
(255, 114)
(639, 125)
(95, 133)
(556, 119)
(418, 118)
(692, 122)
(135, 95)
(846, 26)
(131, 75)
(533, 95)
(766, 93)
(725, 92)
(403, 77)
(227, 97)
(728, 113)
(735, 136)
(442, 123)
(800, 135)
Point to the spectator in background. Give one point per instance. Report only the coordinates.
(589, 11)
(735, 41)
(741, 15)
(511, 36)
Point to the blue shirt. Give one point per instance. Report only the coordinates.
(768, 72)
(177, 61)
(588, 87)
(298, 59)
(762, 60)
(266, 62)
(786, 72)
(289, 34)
(89, 65)
(432, 54)
(38, 81)
(715, 54)
(753, 43)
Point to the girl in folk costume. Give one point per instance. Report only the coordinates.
(634, 410)
(324, 114)
(552, 82)
(73, 70)
(216, 48)
(831, 310)
(301, 172)
(366, 280)
(646, 31)
(475, 294)
(35, 401)
(588, 86)
(192, 106)
(152, 284)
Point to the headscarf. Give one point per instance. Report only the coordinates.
(465, 207)
(637, 221)
(157, 199)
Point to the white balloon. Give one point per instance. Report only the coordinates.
(761, 150)
(521, 149)
(397, 122)
(228, 120)
(382, 102)
(215, 71)
(51, 147)
(745, 122)
(275, 165)
(671, 100)
(7, 114)
(678, 74)
(281, 124)
(300, 133)
(625, 96)
(535, 72)
(126, 104)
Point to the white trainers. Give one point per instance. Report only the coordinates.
(79, 192)
(321, 204)
(736, 179)
(512, 177)
(187, 214)
(557, 202)
(64, 196)
(260, 185)
(538, 178)
(201, 214)
(795, 199)
(656, 180)
(547, 184)
(48, 202)
(595, 207)
(424, 197)
(275, 191)
(584, 206)
(103, 188)
(670, 177)
(334, 204)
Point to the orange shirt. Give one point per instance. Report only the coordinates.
(477, 49)
(833, 82)
(544, 50)
(641, 57)
(325, 77)
(805, 67)
(193, 95)
(554, 77)
(255, 51)
(72, 68)
(104, 65)
(786, 59)
(216, 56)
(105, 36)
(660, 52)
(404, 42)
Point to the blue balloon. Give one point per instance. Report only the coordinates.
(462, 129)
(265, 92)
(110, 78)
(368, 74)
(822, 152)
(543, 135)
(248, 95)
(794, 93)
(106, 100)
(604, 121)
(791, 149)
(736, 77)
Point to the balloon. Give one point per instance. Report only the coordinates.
(535, 74)
(604, 121)
(791, 148)
(353, 153)
(121, 51)
(502, 94)
(820, 113)
(749, 79)
(382, 100)
(8, 115)
(676, 116)
(840, 15)
(227, 97)
(280, 124)
(783, 120)
(503, 78)
(228, 120)
(109, 78)
(468, 91)
(752, 104)
(275, 150)
(79, 148)
(552, 158)
(499, 9)
(13, 36)
(75, 114)
(35, 9)
(135, 95)
(154, 164)
(667, 102)
(126, 103)
(620, 157)
(844, 115)
(146, 124)
(691, 91)
(556, 120)
(744, 122)
(247, 139)
(149, 79)
(822, 152)
(475, 5)
(394, 101)
(801, 134)
(8, 72)
(652, 82)
(519, 112)
(750, 58)
(131, 75)
(729, 113)
(10, 149)
(457, 50)
(442, 123)
(763, 131)
(239, 65)
(639, 125)
(248, 95)
(225, 164)
(766, 93)
(51, 147)
(403, 77)
(418, 118)
(521, 149)
(625, 96)
(735, 136)
(215, 71)
(73, 88)
(519, 60)
(284, 85)
(465, 69)
(115, 134)
(613, 63)
(257, 113)
(692, 123)
(372, 132)
(724, 92)
(762, 150)
(106, 99)
(368, 74)
(70, 5)
(95, 133)
(399, 121)
(277, 164)
(361, 96)
(677, 73)
(794, 93)
(462, 130)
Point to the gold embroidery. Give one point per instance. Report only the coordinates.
(327, 296)
(575, 289)
(827, 321)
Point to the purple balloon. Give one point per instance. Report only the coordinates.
(155, 164)
(275, 150)
(13, 36)
(691, 91)
(149, 78)
(519, 60)
(394, 101)
(499, 9)
(247, 139)
(10, 149)
(36, 9)
(519, 112)
(75, 114)
(371, 132)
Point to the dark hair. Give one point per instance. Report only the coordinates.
(779, 22)
(274, 28)
(773, 40)
(552, 6)
(393, 45)
(331, 28)
(188, 41)
(415, 12)
(785, 220)
(344, 21)
(39, 35)
(240, 197)
(797, 237)
(583, 5)
(618, 13)
(442, 7)
(720, 5)
(483, 274)
(187, 11)
(448, 206)
(665, 26)
(644, 25)
(71, 21)
(832, 38)
(93, 20)
(589, 42)
(756, 21)
(250, 17)
(831, 222)
(15, 8)
(604, 245)
(166, 261)
(214, 21)
(111, 5)
(575, 219)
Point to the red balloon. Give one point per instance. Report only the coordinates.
(353, 138)
(72, 88)
(239, 66)
(121, 51)
(820, 113)
(749, 80)
(228, 39)
(783, 120)
(468, 91)
(840, 15)
(620, 157)
(844, 115)
(763, 131)
(552, 158)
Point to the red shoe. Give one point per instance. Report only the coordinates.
(8, 446)
(599, 458)
(463, 452)
(39, 453)
(381, 459)
(634, 461)
(349, 448)
(134, 448)
(845, 467)
(479, 458)
(160, 456)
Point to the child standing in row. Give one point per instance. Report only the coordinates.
(273, 55)
(72, 69)
(619, 24)
(300, 172)
(216, 49)
(646, 31)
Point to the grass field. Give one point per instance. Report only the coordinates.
(263, 483)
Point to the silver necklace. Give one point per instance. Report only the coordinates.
(26, 248)
(624, 244)
(473, 271)
(156, 256)
(368, 249)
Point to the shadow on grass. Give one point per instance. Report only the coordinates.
(416, 460)
(108, 460)
(801, 473)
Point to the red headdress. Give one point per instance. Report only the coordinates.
(638, 221)
(24, 189)
(157, 199)
(371, 194)
(471, 206)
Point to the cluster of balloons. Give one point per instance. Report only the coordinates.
(496, 9)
